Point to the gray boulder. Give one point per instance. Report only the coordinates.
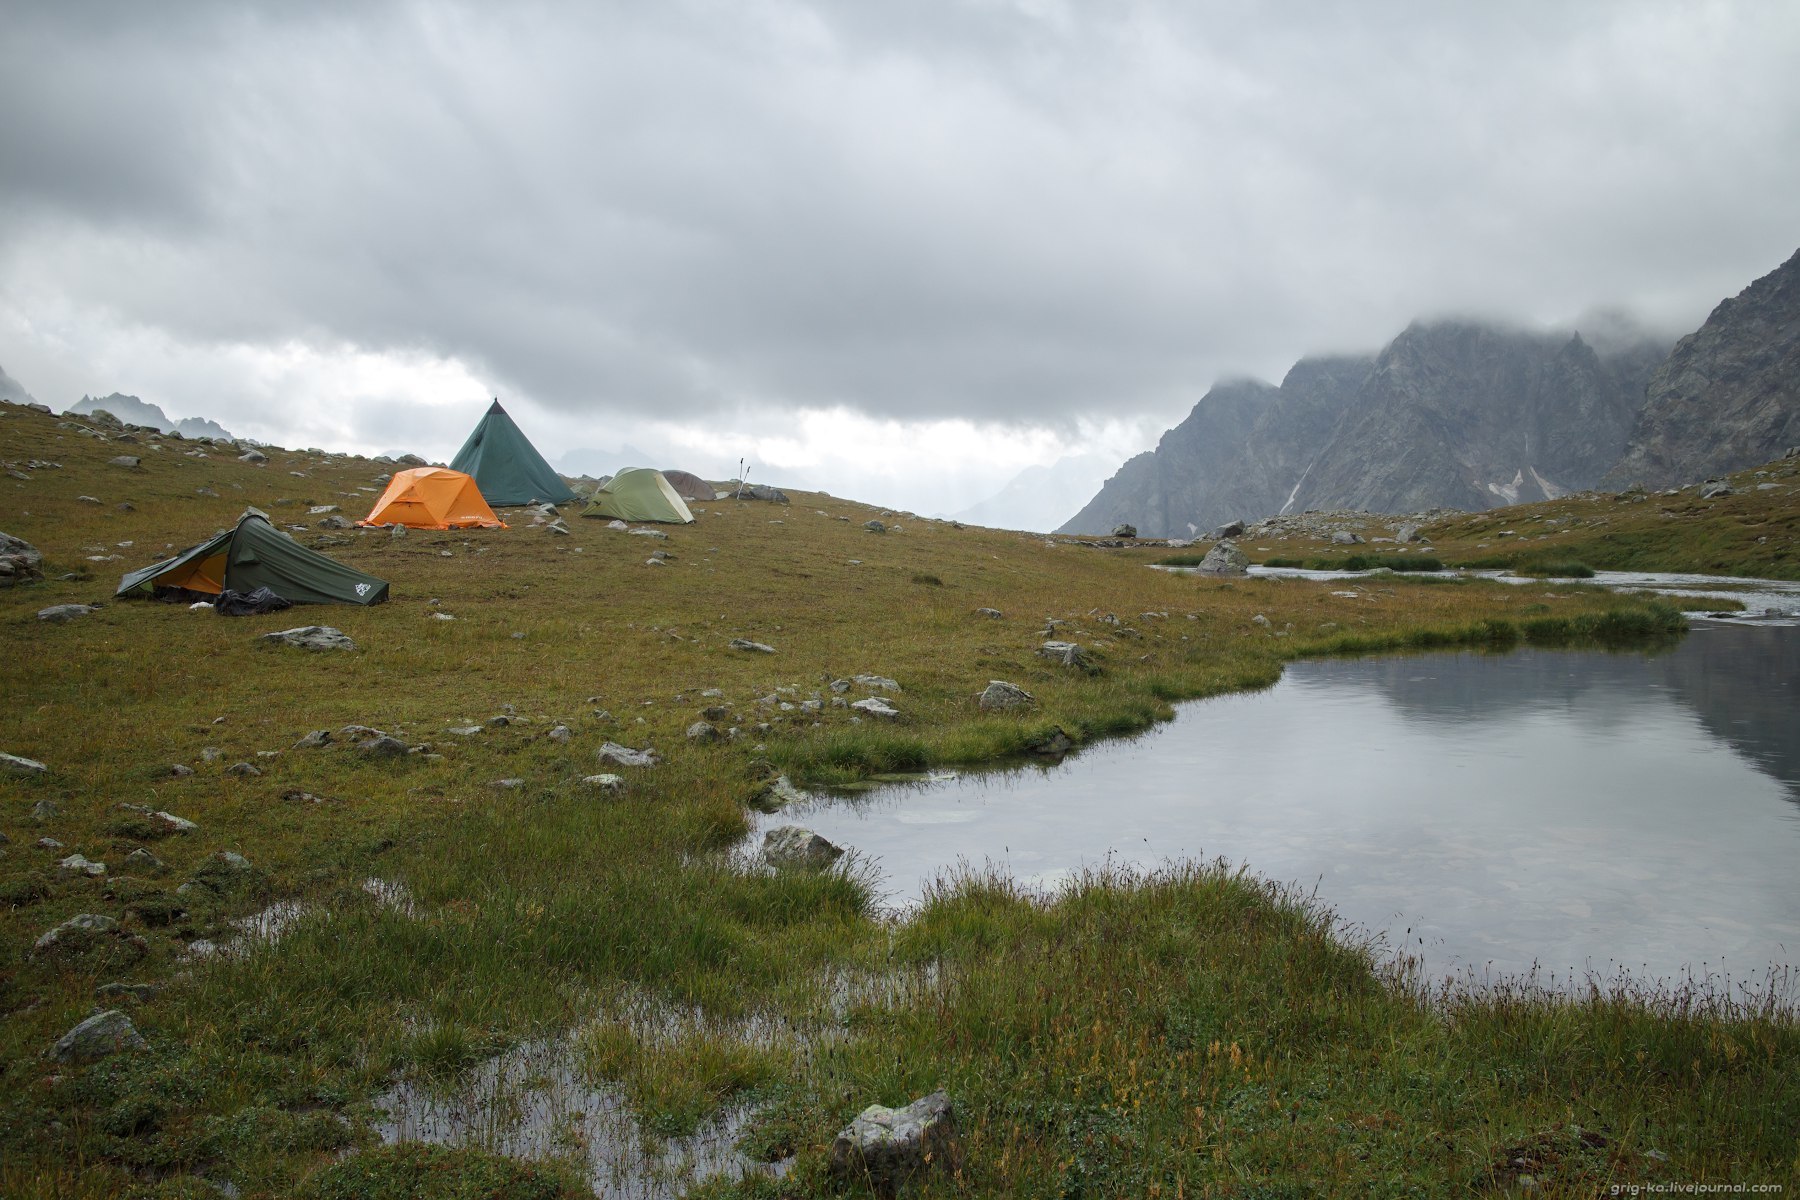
(312, 637)
(1124, 531)
(999, 696)
(875, 706)
(889, 1147)
(255, 457)
(1717, 488)
(62, 614)
(624, 756)
(129, 461)
(383, 747)
(605, 782)
(992, 614)
(881, 682)
(75, 864)
(314, 740)
(657, 534)
(1224, 559)
(97, 1037)
(747, 644)
(19, 548)
(12, 764)
(1344, 537)
(701, 731)
(1053, 744)
(334, 521)
(792, 846)
(874, 527)
(1230, 529)
(1067, 654)
(1407, 533)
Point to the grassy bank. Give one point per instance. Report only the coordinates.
(1189, 1033)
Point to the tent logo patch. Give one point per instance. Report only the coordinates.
(362, 589)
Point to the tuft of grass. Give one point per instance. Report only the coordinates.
(927, 579)
(420, 1172)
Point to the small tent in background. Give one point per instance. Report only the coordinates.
(690, 486)
(506, 466)
(638, 494)
(433, 498)
(254, 554)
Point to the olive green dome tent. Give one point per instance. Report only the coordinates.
(639, 494)
(255, 554)
(506, 466)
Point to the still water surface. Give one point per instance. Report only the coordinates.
(1575, 812)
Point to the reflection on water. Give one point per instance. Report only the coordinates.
(1574, 811)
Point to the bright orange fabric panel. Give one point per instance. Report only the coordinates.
(432, 498)
(202, 575)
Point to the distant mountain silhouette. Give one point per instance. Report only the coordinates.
(133, 411)
(12, 389)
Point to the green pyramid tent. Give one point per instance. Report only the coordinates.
(639, 494)
(255, 554)
(506, 466)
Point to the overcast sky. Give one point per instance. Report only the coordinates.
(896, 250)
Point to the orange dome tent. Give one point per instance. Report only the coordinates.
(433, 498)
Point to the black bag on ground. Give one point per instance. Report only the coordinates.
(241, 604)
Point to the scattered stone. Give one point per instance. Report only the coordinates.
(840, 686)
(1224, 559)
(1067, 654)
(606, 783)
(999, 696)
(624, 756)
(144, 863)
(879, 681)
(255, 457)
(747, 644)
(128, 461)
(314, 740)
(211, 754)
(992, 614)
(1054, 744)
(701, 731)
(396, 531)
(12, 764)
(1407, 533)
(244, 770)
(557, 527)
(80, 930)
(1230, 529)
(874, 527)
(658, 534)
(1343, 537)
(61, 614)
(336, 522)
(1717, 488)
(875, 706)
(48, 843)
(97, 1037)
(383, 747)
(778, 794)
(1261, 620)
(75, 864)
(87, 499)
(312, 637)
(317, 510)
(1124, 531)
(560, 733)
(792, 846)
(45, 810)
(507, 785)
(889, 1147)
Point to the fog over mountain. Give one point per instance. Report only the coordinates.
(905, 250)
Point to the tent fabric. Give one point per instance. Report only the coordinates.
(639, 494)
(432, 498)
(254, 554)
(506, 466)
(690, 486)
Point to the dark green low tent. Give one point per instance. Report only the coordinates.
(506, 466)
(255, 554)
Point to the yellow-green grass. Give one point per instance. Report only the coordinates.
(1078, 1037)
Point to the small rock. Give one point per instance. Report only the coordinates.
(1068, 654)
(48, 843)
(507, 785)
(75, 864)
(1406, 533)
(12, 764)
(874, 527)
(606, 783)
(999, 696)
(624, 756)
(1124, 531)
(1261, 620)
(144, 862)
(992, 614)
(875, 706)
(1344, 537)
(256, 457)
(137, 992)
(889, 1147)
(128, 461)
(560, 733)
(244, 770)
(747, 644)
(83, 929)
(97, 1037)
(312, 637)
(180, 770)
(1054, 744)
(61, 614)
(657, 534)
(383, 747)
(701, 731)
(557, 527)
(397, 531)
(1714, 490)
(881, 682)
(45, 810)
(796, 847)
(336, 522)
(1230, 529)
(314, 740)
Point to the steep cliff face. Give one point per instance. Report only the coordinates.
(1466, 415)
(1728, 396)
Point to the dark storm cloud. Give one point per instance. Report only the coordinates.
(1015, 211)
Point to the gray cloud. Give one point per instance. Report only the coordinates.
(1017, 211)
